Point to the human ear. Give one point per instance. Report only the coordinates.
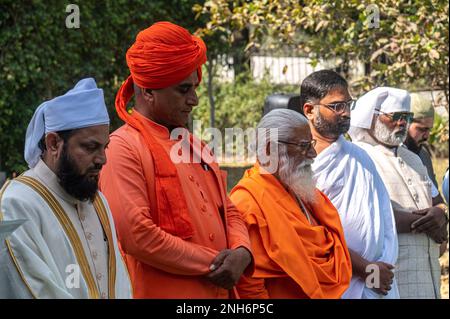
(53, 144)
(147, 94)
(308, 110)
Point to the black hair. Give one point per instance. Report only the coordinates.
(65, 135)
(318, 84)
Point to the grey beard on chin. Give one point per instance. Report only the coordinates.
(384, 135)
(299, 179)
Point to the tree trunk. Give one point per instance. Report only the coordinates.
(212, 105)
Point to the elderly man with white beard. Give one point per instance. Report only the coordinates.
(379, 124)
(295, 231)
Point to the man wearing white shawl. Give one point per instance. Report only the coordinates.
(347, 175)
(379, 124)
(67, 248)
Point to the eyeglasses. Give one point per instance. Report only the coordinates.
(305, 146)
(398, 116)
(339, 107)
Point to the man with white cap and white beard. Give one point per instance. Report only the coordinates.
(379, 124)
(67, 248)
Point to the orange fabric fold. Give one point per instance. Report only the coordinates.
(316, 257)
(163, 55)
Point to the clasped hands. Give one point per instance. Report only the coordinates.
(433, 223)
(228, 266)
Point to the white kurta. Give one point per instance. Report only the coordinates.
(410, 188)
(42, 251)
(347, 175)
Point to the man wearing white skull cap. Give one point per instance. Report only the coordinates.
(379, 124)
(67, 248)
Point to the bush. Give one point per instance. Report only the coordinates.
(40, 58)
(438, 140)
(239, 103)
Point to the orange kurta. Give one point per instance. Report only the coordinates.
(162, 265)
(293, 258)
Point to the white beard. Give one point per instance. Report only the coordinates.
(384, 135)
(299, 179)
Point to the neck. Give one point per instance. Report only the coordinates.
(146, 113)
(322, 141)
(51, 164)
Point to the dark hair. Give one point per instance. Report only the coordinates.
(318, 84)
(65, 135)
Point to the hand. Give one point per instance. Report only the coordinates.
(386, 278)
(439, 236)
(228, 266)
(432, 221)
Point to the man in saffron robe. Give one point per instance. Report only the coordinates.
(180, 235)
(296, 235)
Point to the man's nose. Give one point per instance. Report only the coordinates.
(100, 159)
(346, 112)
(311, 153)
(192, 99)
(402, 122)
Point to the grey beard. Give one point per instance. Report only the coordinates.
(299, 179)
(384, 135)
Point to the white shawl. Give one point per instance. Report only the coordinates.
(347, 175)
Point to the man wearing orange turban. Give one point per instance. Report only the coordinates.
(180, 235)
(296, 234)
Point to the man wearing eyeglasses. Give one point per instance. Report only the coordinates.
(347, 175)
(295, 232)
(379, 124)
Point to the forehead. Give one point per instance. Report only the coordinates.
(424, 122)
(336, 94)
(192, 79)
(301, 133)
(97, 133)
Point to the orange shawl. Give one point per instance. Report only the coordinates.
(163, 55)
(315, 257)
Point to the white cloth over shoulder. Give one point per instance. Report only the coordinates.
(384, 99)
(347, 175)
(82, 106)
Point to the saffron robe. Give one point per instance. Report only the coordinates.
(293, 258)
(163, 265)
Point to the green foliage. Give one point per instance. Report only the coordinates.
(40, 58)
(439, 137)
(410, 43)
(239, 103)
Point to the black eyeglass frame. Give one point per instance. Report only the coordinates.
(305, 146)
(397, 116)
(339, 109)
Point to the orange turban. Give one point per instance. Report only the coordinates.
(163, 55)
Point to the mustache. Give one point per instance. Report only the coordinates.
(95, 169)
(306, 163)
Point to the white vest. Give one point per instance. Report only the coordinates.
(406, 179)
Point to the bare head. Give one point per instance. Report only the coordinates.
(285, 149)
